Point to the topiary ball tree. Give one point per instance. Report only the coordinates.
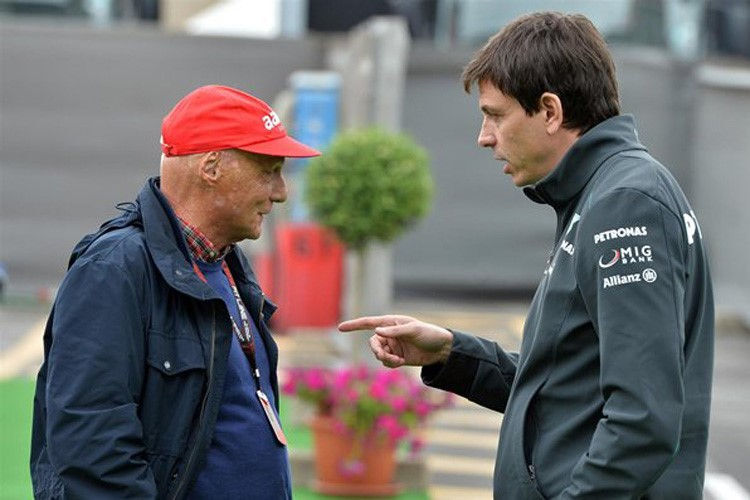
(369, 185)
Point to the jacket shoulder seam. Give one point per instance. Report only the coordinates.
(639, 191)
(129, 233)
(105, 260)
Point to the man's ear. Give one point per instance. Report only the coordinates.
(209, 167)
(552, 111)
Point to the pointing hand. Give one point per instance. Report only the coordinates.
(403, 340)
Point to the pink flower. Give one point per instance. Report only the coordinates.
(363, 401)
(378, 390)
(383, 377)
(393, 376)
(361, 372)
(352, 396)
(422, 409)
(315, 380)
(341, 379)
(392, 427)
(397, 431)
(399, 404)
(386, 422)
(290, 386)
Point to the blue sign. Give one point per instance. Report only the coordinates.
(316, 121)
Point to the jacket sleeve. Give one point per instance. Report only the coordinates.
(95, 371)
(630, 266)
(477, 369)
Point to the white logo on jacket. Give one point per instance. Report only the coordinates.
(565, 246)
(621, 279)
(568, 247)
(691, 226)
(620, 232)
(649, 275)
(627, 255)
(574, 220)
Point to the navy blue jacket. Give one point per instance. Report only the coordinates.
(135, 355)
(610, 394)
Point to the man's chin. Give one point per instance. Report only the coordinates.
(520, 182)
(252, 234)
(517, 178)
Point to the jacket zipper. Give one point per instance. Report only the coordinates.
(203, 406)
(532, 472)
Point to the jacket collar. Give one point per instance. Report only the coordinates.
(583, 159)
(170, 252)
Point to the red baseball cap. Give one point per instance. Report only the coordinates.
(214, 117)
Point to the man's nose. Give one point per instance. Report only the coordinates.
(485, 138)
(279, 191)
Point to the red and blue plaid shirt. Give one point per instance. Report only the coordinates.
(201, 247)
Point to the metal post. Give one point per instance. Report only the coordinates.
(373, 65)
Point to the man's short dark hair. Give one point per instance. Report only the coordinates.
(551, 52)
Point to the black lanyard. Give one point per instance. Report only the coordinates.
(247, 343)
(245, 335)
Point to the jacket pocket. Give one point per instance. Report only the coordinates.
(174, 355)
(523, 444)
(173, 385)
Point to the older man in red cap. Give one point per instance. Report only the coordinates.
(159, 374)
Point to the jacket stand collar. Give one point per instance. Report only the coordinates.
(583, 159)
(167, 244)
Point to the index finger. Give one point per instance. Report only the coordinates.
(372, 322)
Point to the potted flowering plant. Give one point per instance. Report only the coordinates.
(362, 414)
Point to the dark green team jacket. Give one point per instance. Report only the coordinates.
(609, 396)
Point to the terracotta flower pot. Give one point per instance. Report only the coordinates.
(343, 467)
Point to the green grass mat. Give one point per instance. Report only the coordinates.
(16, 401)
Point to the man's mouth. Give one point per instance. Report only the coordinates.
(505, 164)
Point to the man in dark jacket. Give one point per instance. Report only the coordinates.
(159, 374)
(609, 396)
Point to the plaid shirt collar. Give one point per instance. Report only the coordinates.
(200, 246)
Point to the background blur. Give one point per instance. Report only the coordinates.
(84, 85)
